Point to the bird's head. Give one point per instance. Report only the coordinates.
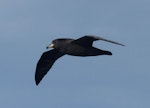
(59, 43)
(54, 44)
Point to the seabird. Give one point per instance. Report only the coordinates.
(65, 46)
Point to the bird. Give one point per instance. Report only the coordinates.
(65, 46)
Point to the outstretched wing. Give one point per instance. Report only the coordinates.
(45, 63)
(89, 39)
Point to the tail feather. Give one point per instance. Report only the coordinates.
(107, 53)
(101, 52)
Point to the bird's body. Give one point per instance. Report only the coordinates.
(79, 47)
(84, 52)
(71, 47)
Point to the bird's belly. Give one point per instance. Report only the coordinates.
(82, 52)
(78, 54)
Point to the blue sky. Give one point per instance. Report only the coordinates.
(118, 81)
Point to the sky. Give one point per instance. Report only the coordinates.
(117, 81)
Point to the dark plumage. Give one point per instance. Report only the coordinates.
(79, 47)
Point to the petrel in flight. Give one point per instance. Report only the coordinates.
(75, 47)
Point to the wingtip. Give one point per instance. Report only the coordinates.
(121, 44)
(100, 38)
(37, 83)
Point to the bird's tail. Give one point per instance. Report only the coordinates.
(97, 51)
(107, 53)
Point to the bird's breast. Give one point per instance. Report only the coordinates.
(77, 50)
